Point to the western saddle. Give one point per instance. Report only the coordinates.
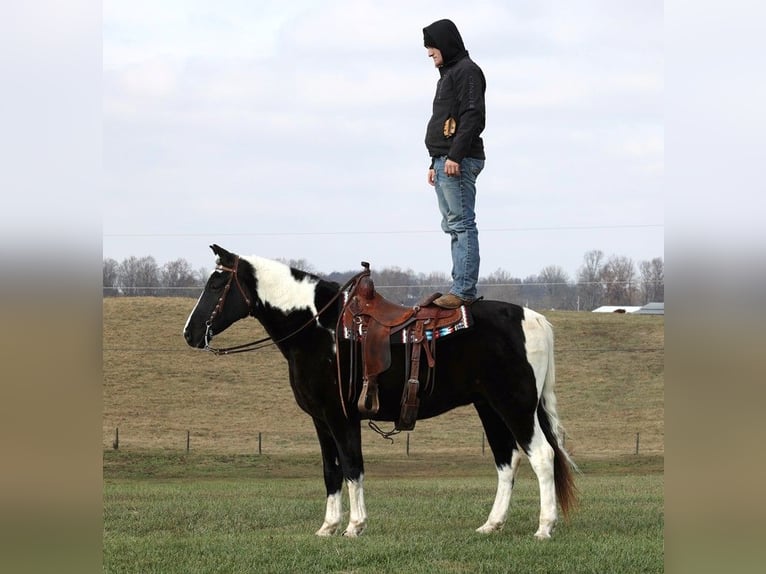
(376, 323)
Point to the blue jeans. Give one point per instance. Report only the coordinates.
(457, 199)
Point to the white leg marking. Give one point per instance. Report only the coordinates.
(506, 474)
(541, 459)
(358, 516)
(333, 515)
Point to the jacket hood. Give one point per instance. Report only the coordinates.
(444, 35)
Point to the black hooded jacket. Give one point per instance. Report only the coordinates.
(459, 94)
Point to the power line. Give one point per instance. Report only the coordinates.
(383, 231)
(636, 282)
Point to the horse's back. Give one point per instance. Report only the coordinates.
(504, 323)
(522, 334)
(493, 307)
(510, 316)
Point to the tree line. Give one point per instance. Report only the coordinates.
(600, 280)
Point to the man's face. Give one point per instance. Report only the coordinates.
(436, 54)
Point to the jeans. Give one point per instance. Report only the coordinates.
(457, 199)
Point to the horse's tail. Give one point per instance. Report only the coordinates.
(563, 465)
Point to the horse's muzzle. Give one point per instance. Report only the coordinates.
(200, 343)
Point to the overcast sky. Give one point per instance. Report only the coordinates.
(295, 130)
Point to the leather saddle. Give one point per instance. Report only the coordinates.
(377, 323)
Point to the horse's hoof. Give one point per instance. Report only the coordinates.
(354, 530)
(545, 530)
(489, 528)
(326, 530)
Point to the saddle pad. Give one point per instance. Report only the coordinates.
(433, 334)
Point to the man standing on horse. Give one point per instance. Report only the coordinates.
(453, 139)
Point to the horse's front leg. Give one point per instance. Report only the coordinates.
(357, 521)
(333, 480)
(349, 442)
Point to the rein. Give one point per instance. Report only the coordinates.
(255, 345)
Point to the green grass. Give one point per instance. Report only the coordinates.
(243, 514)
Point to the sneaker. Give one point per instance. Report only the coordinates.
(450, 301)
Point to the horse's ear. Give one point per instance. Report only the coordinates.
(222, 256)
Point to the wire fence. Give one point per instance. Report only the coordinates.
(421, 441)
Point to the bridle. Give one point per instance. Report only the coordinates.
(259, 344)
(222, 299)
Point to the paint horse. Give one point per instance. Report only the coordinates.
(503, 365)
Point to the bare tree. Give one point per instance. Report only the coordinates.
(202, 275)
(110, 267)
(435, 280)
(502, 286)
(138, 276)
(301, 264)
(652, 280)
(598, 282)
(658, 267)
(176, 275)
(398, 285)
(590, 290)
(532, 293)
(618, 277)
(556, 286)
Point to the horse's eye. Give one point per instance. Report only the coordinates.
(218, 280)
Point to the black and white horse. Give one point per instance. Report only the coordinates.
(503, 365)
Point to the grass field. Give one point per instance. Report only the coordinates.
(222, 508)
(206, 513)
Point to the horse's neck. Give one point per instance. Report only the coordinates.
(290, 326)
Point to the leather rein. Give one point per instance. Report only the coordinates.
(269, 341)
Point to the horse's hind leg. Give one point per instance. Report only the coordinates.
(333, 479)
(518, 413)
(541, 455)
(507, 459)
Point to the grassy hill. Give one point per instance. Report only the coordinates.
(610, 386)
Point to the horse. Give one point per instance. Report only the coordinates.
(502, 364)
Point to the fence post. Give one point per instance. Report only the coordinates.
(188, 436)
(259, 442)
(636, 443)
(408, 444)
(116, 442)
(482, 444)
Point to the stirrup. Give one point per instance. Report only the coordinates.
(369, 404)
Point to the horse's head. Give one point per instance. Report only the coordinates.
(228, 297)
